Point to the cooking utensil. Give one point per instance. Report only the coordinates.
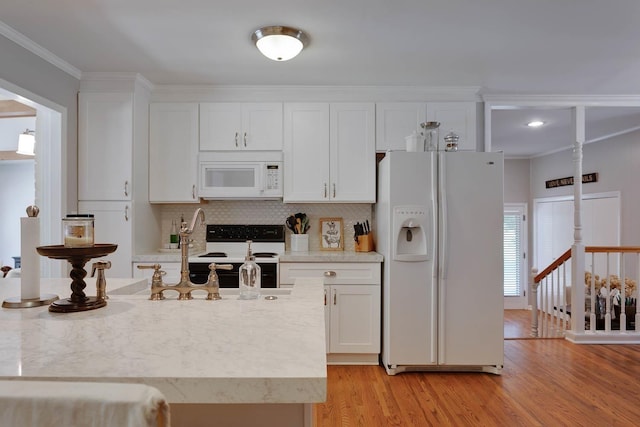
(291, 224)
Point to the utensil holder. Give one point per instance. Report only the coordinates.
(299, 243)
(364, 243)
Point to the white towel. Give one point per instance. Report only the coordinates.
(81, 404)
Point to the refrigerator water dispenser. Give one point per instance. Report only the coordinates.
(410, 225)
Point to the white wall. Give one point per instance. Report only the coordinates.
(18, 192)
(11, 128)
(516, 181)
(617, 162)
(31, 73)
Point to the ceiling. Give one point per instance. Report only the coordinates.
(516, 46)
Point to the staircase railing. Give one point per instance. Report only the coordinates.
(610, 293)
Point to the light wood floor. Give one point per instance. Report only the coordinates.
(545, 382)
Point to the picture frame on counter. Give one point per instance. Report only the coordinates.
(331, 234)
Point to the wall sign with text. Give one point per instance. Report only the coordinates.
(561, 182)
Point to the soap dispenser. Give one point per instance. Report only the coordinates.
(249, 276)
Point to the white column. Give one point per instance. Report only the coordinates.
(577, 250)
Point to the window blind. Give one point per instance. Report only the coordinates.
(512, 255)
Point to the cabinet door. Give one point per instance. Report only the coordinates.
(113, 224)
(262, 126)
(105, 146)
(397, 120)
(459, 117)
(173, 153)
(352, 153)
(355, 319)
(220, 126)
(306, 152)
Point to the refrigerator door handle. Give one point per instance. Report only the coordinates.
(444, 255)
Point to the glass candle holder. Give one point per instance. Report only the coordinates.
(78, 230)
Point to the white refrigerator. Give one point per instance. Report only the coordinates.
(439, 220)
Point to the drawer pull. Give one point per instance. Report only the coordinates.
(329, 274)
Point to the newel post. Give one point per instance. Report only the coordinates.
(577, 250)
(534, 302)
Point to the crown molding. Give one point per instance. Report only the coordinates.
(318, 93)
(38, 50)
(514, 101)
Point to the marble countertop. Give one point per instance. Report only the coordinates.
(196, 351)
(311, 256)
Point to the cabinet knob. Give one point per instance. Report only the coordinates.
(334, 190)
(193, 191)
(126, 188)
(236, 139)
(329, 274)
(325, 190)
(244, 138)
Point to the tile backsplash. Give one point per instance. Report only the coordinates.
(267, 212)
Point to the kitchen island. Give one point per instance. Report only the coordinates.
(217, 362)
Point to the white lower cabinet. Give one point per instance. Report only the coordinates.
(171, 269)
(352, 307)
(113, 224)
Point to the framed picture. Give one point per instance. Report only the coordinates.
(331, 234)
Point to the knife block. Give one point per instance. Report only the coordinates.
(365, 243)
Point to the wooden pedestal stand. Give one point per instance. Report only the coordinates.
(77, 257)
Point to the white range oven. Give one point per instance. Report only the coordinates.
(227, 244)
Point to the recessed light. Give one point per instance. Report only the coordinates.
(535, 123)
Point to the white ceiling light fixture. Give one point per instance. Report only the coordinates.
(280, 43)
(27, 143)
(535, 123)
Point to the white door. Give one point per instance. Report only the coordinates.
(554, 228)
(173, 152)
(515, 260)
(112, 225)
(470, 327)
(306, 152)
(220, 126)
(355, 319)
(352, 153)
(397, 120)
(262, 126)
(105, 146)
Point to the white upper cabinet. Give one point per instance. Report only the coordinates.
(173, 152)
(105, 145)
(329, 152)
(230, 126)
(396, 120)
(457, 117)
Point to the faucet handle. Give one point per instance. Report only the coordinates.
(100, 265)
(213, 285)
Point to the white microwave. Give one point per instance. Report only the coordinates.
(240, 176)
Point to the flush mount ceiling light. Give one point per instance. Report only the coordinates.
(280, 43)
(535, 123)
(26, 143)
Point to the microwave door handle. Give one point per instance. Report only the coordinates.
(262, 177)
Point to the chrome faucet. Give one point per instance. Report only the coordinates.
(185, 286)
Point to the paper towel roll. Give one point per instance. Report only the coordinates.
(29, 258)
